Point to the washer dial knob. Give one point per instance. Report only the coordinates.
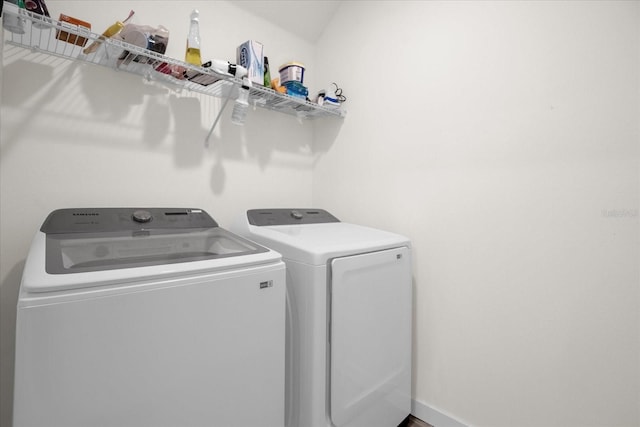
(142, 216)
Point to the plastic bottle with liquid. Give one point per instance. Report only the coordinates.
(14, 23)
(241, 106)
(192, 55)
(267, 73)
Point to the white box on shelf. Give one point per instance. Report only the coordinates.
(251, 56)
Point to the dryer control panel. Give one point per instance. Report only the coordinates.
(264, 217)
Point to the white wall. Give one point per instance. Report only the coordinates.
(77, 135)
(503, 139)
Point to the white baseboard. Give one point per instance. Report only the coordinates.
(433, 416)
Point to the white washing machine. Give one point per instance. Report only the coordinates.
(148, 318)
(349, 317)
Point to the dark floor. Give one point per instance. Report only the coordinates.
(412, 421)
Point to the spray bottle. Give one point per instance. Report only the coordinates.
(241, 106)
(108, 33)
(192, 54)
(225, 67)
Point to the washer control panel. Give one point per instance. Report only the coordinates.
(100, 220)
(142, 216)
(263, 217)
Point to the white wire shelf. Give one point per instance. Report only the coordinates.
(47, 35)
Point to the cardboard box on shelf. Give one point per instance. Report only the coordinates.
(68, 37)
(251, 56)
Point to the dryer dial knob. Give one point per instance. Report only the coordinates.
(142, 216)
(296, 214)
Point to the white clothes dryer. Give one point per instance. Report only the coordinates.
(148, 318)
(349, 300)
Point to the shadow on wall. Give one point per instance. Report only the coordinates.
(35, 74)
(36, 85)
(102, 107)
(188, 133)
(264, 135)
(326, 131)
(109, 95)
(8, 300)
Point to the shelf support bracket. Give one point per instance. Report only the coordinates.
(213, 126)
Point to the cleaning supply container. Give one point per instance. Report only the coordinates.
(291, 72)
